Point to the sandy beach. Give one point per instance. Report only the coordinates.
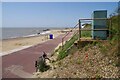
(21, 43)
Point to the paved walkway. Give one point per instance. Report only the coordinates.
(20, 64)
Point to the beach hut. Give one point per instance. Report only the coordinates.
(99, 24)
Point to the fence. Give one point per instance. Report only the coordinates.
(107, 29)
(82, 29)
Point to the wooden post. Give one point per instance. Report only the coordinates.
(118, 32)
(62, 43)
(79, 29)
(110, 29)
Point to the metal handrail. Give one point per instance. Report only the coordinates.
(68, 33)
(79, 23)
(94, 29)
(94, 19)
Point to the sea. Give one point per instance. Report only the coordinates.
(9, 33)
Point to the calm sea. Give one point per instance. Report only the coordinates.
(21, 32)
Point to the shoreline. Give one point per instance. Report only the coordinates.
(12, 44)
(28, 36)
(33, 32)
(18, 38)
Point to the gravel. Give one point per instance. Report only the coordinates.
(77, 65)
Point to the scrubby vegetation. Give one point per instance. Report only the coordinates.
(100, 59)
(111, 48)
(63, 51)
(86, 33)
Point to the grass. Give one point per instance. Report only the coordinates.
(63, 52)
(115, 39)
(85, 33)
(109, 49)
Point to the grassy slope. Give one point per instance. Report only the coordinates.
(88, 62)
(96, 60)
(102, 59)
(63, 52)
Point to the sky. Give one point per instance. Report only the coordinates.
(60, 0)
(50, 14)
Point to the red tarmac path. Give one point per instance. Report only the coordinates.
(25, 59)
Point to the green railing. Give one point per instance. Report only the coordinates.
(63, 52)
(68, 34)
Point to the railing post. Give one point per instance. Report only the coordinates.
(62, 43)
(79, 29)
(110, 29)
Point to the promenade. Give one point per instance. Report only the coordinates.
(21, 64)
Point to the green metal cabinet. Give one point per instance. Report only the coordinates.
(99, 24)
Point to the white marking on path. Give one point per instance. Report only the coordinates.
(18, 70)
(14, 50)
